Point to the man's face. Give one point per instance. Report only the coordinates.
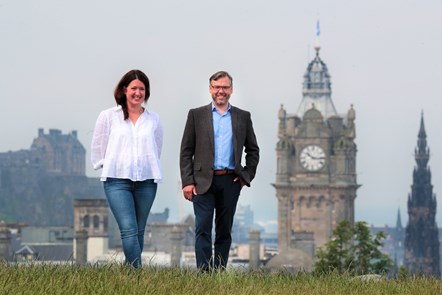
(221, 90)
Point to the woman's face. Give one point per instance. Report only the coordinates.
(135, 93)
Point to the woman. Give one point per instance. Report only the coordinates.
(127, 144)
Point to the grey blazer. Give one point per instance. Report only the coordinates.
(198, 147)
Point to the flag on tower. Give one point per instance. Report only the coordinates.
(318, 31)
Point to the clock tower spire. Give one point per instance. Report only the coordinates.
(317, 89)
(316, 163)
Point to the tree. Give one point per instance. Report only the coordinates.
(353, 250)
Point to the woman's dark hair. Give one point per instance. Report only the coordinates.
(119, 95)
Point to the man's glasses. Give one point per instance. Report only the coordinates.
(218, 88)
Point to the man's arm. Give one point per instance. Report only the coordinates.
(251, 150)
(187, 151)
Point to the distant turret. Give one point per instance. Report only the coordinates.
(351, 116)
(282, 116)
(421, 234)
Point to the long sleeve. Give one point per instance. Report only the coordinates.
(187, 151)
(251, 150)
(100, 140)
(159, 138)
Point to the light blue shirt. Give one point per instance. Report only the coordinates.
(222, 129)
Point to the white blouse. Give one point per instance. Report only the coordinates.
(127, 150)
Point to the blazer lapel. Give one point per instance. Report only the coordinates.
(208, 123)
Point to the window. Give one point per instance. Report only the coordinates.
(86, 221)
(96, 222)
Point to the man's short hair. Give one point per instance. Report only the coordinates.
(220, 74)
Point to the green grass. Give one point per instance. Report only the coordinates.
(117, 279)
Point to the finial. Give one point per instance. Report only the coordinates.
(282, 113)
(351, 114)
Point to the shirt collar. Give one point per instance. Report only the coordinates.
(214, 108)
(118, 108)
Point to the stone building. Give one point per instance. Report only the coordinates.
(316, 163)
(421, 234)
(158, 235)
(5, 242)
(394, 241)
(54, 152)
(58, 153)
(91, 227)
(38, 185)
(47, 244)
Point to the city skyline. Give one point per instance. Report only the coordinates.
(61, 61)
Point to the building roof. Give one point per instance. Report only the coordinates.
(317, 89)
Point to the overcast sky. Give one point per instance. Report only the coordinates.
(60, 61)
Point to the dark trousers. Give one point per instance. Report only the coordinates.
(220, 199)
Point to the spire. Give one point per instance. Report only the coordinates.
(421, 233)
(317, 86)
(422, 153)
(422, 141)
(398, 221)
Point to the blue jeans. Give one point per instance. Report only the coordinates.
(130, 202)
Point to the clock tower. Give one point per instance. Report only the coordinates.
(316, 163)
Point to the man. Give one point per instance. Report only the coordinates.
(211, 172)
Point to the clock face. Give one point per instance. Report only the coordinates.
(312, 157)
